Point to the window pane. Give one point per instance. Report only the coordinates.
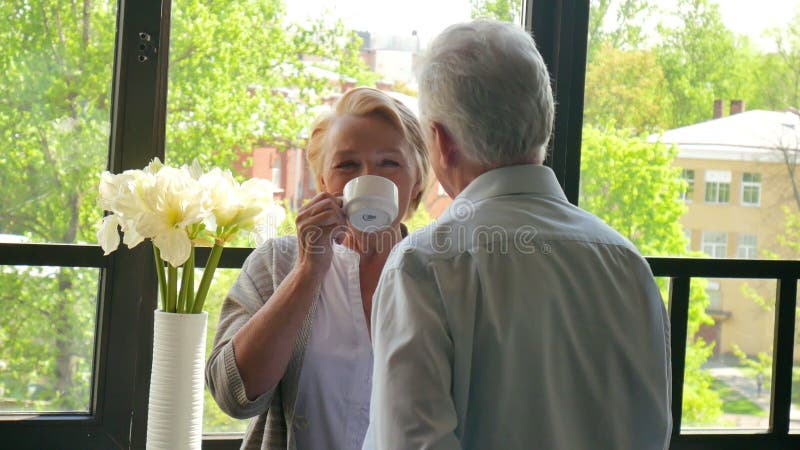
(724, 193)
(246, 79)
(747, 248)
(214, 420)
(47, 332)
(715, 244)
(794, 412)
(55, 83)
(663, 97)
(729, 355)
(688, 177)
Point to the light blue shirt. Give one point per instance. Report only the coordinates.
(519, 321)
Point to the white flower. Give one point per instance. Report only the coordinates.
(107, 234)
(234, 207)
(174, 201)
(221, 190)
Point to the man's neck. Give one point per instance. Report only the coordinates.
(468, 171)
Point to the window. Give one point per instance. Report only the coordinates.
(288, 63)
(718, 186)
(139, 98)
(276, 172)
(714, 296)
(687, 234)
(715, 244)
(54, 119)
(688, 176)
(751, 189)
(746, 248)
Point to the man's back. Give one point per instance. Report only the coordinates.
(550, 322)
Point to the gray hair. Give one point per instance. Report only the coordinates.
(487, 84)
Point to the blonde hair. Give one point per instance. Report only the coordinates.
(368, 102)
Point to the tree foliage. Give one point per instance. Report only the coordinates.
(626, 90)
(779, 71)
(624, 31)
(702, 60)
(503, 10)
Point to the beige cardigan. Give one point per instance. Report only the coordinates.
(272, 413)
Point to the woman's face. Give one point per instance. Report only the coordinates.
(364, 145)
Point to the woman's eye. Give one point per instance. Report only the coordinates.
(346, 165)
(390, 163)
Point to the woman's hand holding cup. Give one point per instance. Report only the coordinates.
(319, 222)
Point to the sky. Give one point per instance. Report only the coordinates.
(752, 17)
(428, 17)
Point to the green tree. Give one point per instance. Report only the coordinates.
(503, 10)
(701, 58)
(239, 73)
(779, 74)
(632, 185)
(627, 29)
(626, 89)
(54, 89)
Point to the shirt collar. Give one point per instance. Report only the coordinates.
(516, 179)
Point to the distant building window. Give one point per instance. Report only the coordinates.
(714, 296)
(688, 176)
(718, 186)
(751, 189)
(276, 172)
(688, 235)
(747, 246)
(715, 244)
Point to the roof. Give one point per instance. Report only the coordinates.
(748, 136)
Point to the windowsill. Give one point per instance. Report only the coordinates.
(718, 313)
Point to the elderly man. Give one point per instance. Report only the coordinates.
(517, 320)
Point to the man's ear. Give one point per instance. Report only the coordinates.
(448, 153)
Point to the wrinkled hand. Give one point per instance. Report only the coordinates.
(319, 222)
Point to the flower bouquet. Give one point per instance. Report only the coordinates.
(179, 208)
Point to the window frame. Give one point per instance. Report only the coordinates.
(714, 245)
(751, 251)
(687, 195)
(717, 188)
(750, 184)
(126, 298)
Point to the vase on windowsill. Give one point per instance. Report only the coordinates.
(175, 411)
(178, 209)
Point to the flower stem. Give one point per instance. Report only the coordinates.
(162, 282)
(190, 287)
(172, 282)
(208, 274)
(188, 267)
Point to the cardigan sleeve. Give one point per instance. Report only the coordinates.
(253, 287)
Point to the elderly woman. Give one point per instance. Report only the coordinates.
(292, 348)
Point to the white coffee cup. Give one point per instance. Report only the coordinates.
(370, 202)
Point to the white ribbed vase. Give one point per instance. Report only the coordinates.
(175, 416)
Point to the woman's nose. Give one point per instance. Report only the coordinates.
(368, 169)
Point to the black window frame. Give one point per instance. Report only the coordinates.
(126, 298)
